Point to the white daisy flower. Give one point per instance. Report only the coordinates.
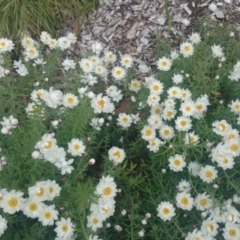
(184, 201)
(177, 163)
(94, 221)
(208, 173)
(63, 43)
(70, 100)
(156, 87)
(155, 121)
(188, 108)
(221, 127)
(32, 208)
(177, 78)
(184, 186)
(185, 94)
(148, 133)
(6, 45)
(217, 51)
(174, 92)
(65, 228)
(124, 120)
(45, 37)
(134, 85)
(86, 65)
(231, 231)
(117, 155)
(153, 100)
(3, 225)
(169, 113)
(102, 103)
(110, 57)
(156, 110)
(53, 43)
(154, 145)
(53, 189)
(126, 61)
(12, 201)
(191, 138)
(38, 192)
(31, 52)
(27, 42)
(183, 123)
(164, 64)
(235, 106)
(195, 234)
(195, 38)
(210, 227)
(166, 211)
(76, 147)
(203, 202)
(68, 64)
(187, 49)
(48, 215)
(118, 73)
(106, 187)
(166, 132)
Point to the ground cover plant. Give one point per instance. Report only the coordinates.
(75, 164)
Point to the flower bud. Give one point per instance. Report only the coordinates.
(118, 228)
(123, 212)
(144, 221)
(148, 215)
(4, 131)
(91, 161)
(35, 154)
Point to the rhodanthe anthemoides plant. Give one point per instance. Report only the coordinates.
(99, 147)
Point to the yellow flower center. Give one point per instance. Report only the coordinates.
(47, 215)
(188, 108)
(135, 85)
(183, 123)
(177, 162)
(117, 154)
(169, 113)
(3, 44)
(164, 63)
(31, 51)
(231, 136)
(234, 147)
(211, 227)
(166, 211)
(209, 174)
(101, 103)
(148, 132)
(125, 119)
(126, 61)
(33, 207)
(95, 221)
(27, 42)
(157, 111)
(156, 88)
(118, 72)
(13, 202)
(237, 106)
(232, 232)
(184, 201)
(48, 145)
(107, 191)
(70, 100)
(51, 189)
(203, 202)
(40, 194)
(76, 147)
(187, 48)
(64, 228)
(223, 127)
(199, 107)
(166, 132)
